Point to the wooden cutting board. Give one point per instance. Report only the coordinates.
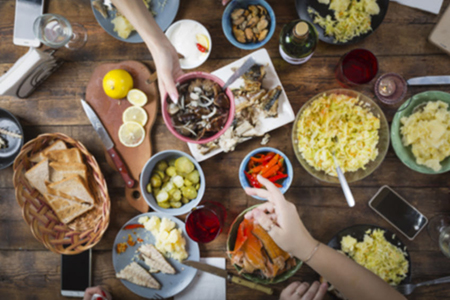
(110, 113)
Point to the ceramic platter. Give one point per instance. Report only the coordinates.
(170, 284)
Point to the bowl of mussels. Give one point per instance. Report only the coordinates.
(203, 112)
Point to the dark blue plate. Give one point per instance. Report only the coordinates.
(9, 122)
(164, 17)
(322, 9)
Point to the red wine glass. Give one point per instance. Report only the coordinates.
(356, 67)
(205, 222)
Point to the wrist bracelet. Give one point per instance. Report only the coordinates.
(312, 253)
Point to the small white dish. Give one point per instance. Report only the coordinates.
(182, 35)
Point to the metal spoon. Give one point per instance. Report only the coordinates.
(407, 289)
(344, 185)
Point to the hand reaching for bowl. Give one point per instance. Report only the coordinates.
(164, 54)
(281, 220)
(168, 66)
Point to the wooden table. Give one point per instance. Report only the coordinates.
(29, 271)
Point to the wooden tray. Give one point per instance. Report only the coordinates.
(110, 113)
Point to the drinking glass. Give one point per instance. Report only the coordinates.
(439, 231)
(358, 66)
(205, 222)
(56, 31)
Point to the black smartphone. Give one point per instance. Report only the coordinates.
(75, 273)
(397, 211)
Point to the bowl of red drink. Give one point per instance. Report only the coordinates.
(270, 163)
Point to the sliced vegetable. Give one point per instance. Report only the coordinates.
(134, 226)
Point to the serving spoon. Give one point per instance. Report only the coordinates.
(344, 184)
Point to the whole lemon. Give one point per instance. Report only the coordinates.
(117, 83)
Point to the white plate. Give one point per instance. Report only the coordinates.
(181, 48)
(170, 284)
(285, 113)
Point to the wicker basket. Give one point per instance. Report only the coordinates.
(44, 224)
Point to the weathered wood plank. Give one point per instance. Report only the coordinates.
(39, 271)
(314, 205)
(404, 32)
(57, 101)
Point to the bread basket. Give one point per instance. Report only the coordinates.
(44, 224)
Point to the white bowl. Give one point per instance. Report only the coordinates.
(181, 46)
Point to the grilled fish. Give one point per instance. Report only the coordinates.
(136, 274)
(155, 260)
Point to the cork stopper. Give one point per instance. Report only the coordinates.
(301, 29)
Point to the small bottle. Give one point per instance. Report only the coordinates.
(298, 40)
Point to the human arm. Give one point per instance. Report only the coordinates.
(284, 225)
(164, 54)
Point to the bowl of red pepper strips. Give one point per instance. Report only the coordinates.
(270, 163)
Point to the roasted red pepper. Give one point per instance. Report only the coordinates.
(270, 165)
(201, 48)
(256, 169)
(271, 171)
(253, 181)
(133, 226)
(277, 177)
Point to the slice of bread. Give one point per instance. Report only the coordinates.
(58, 145)
(72, 186)
(59, 171)
(66, 209)
(37, 176)
(72, 155)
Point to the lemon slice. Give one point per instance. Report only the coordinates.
(131, 134)
(203, 40)
(135, 114)
(137, 97)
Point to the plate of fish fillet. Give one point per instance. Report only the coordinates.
(261, 106)
(144, 268)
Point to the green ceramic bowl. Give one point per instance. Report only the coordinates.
(405, 153)
(255, 278)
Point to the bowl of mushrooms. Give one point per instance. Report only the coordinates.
(203, 112)
(248, 24)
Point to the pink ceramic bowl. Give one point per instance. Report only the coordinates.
(167, 101)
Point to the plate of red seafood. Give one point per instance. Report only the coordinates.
(256, 256)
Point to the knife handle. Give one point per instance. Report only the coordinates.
(251, 285)
(129, 182)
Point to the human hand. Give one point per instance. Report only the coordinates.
(168, 67)
(281, 220)
(90, 292)
(302, 291)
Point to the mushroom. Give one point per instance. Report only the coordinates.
(173, 109)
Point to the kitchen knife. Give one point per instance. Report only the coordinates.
(108, 143)
(239, 72)
(429, 80)
(223, 273)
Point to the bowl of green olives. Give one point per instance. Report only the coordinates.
(172, 182)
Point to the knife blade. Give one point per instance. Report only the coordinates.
(108, 143)
(223, 273)
(239, 72)
(429, 80)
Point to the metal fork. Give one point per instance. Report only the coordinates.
(157, 297)
(407, 289)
